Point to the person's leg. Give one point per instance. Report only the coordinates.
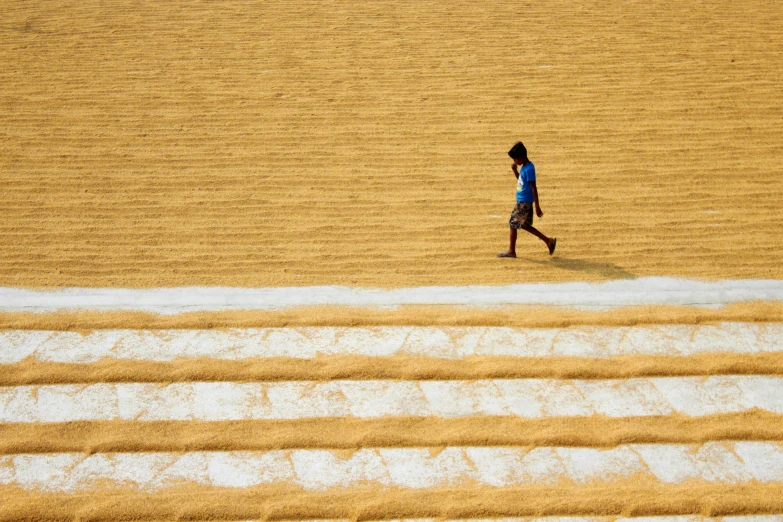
(512, 244)
(512, 240)
(538, 234)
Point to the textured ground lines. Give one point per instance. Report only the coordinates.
(274, 143)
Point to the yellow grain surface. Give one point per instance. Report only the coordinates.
(350, 433)
(624, 497)
(357, 367)
(269, 143)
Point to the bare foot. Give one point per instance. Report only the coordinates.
(552, 244)
(507, 254)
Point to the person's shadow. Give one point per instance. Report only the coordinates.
(607, 270)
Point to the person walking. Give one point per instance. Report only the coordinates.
(527, 195)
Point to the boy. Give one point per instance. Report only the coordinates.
(527, 194)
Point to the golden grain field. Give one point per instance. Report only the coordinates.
(272, 143)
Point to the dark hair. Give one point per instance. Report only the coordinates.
(518, 151)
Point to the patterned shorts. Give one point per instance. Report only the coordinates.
(521, 215)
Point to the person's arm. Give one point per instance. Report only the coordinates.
(539, 213)
(514, 168)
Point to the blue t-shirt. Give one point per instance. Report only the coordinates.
(524, 191)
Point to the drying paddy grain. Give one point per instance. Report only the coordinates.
(270, 144)
(364, 143)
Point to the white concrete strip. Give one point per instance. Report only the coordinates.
(529, 398)
(320, 470)
(643, 291)
(441, 342)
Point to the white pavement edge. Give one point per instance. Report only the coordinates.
(318, 470)
(441, 342)
(607, 295)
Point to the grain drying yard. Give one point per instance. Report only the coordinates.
(247, 261)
